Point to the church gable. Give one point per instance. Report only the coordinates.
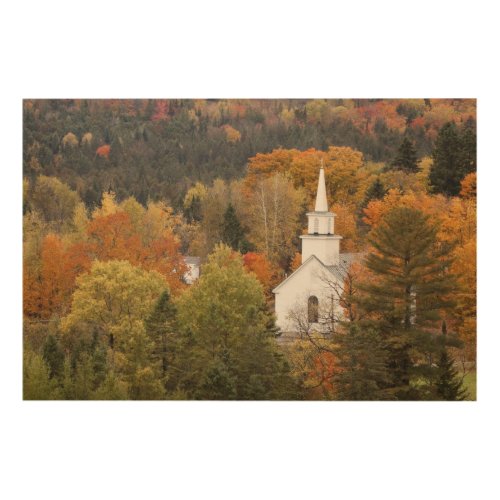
(310, 270)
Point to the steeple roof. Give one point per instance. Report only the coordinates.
(321, 202)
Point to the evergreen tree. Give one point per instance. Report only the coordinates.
(407, 293)
(193, 210)
(361, 363)
(218, 382)
(406, 157)
(448, 385)
(53, 355)
(161, 328)
(454, 156)
(232, 232)
(376, 191)
(468, 149)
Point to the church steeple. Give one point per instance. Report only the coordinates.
(321, 201)
(320, 239)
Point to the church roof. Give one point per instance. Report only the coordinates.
(321, 202)
(346, 259)
(339, 270)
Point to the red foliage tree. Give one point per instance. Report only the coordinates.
(103, 151)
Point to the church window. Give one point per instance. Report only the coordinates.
(316, 225)
(313, 309)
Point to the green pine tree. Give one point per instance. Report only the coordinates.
(376, 191)
(361, 362)
(232, 232)
(407, 294)
(448, 385)
(53, 355)
(406, 157)
(468, 141)
(161, 329)
(454, 156)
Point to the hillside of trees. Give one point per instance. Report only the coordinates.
(158, 148)
(116, 192)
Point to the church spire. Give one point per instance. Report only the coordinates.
(321, 202)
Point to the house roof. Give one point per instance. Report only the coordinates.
(192, 260)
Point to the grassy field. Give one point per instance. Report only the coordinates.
(470, 385)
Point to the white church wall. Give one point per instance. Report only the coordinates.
(293, 295)
(326, 248)
(320, 223)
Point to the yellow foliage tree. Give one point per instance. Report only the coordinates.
(70, 139)
(108, 205)
(343, 172)
(135, 211)
(87, 138)
(232, 135)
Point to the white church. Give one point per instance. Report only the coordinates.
(308, 300)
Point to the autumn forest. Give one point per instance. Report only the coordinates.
(117, 193)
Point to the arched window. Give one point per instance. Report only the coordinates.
(312, 309)
(316, 225)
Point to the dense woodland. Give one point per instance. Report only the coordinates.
(116, 192)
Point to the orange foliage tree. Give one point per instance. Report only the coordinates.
(342, 170)
(296, 261)
(469, 186)
(319, 380)
(49, 291)
(163, 255)
(346, 225)
(262, 268)
(113, 237)
(103, 151)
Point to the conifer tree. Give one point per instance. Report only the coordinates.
(53, 355)
(448, 385)
(362, 373)
(232, 232)
(376, 191)
(454, 156)
(468, 149)
(408, 290)
(406, 157)
(161, 327)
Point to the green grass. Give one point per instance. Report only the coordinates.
(470, 384)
